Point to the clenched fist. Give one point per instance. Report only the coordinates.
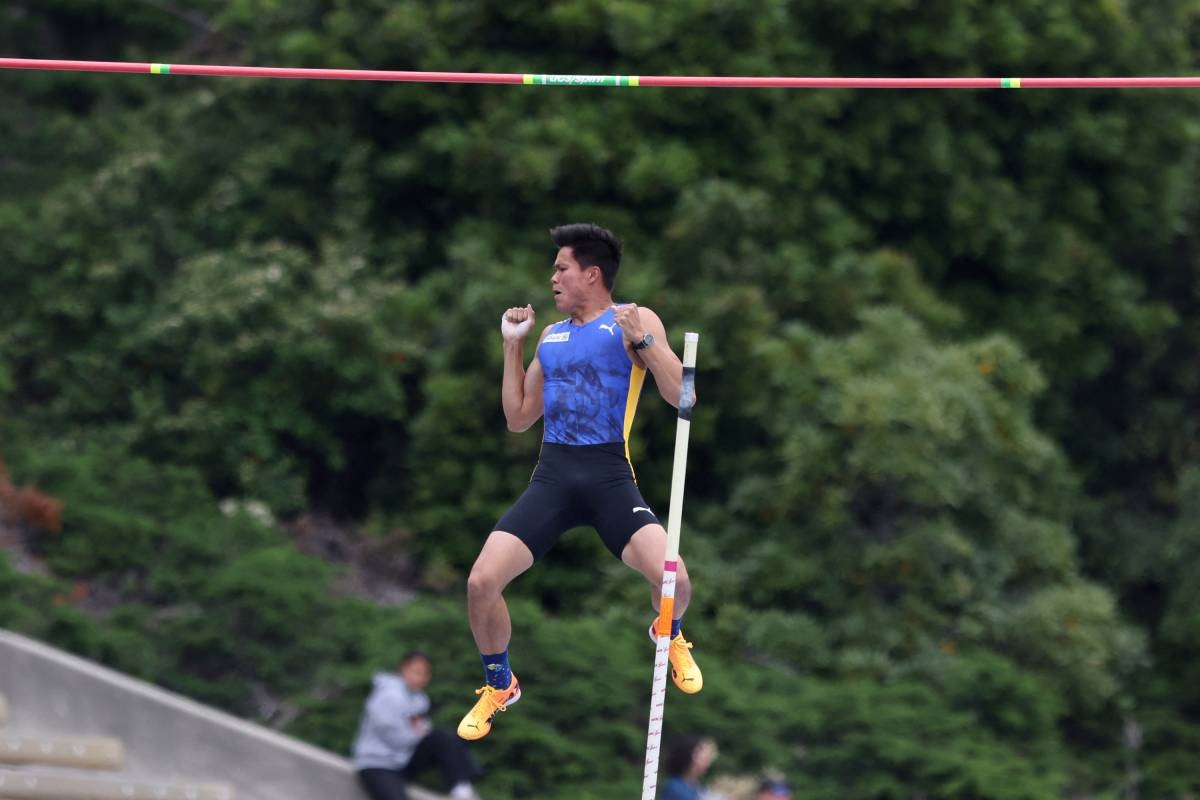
(626, 315)
(516, 323)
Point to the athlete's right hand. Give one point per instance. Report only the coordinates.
(516, 323)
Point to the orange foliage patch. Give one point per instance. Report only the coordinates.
(29, 506)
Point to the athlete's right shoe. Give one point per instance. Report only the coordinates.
(478, 721)
(685, 672)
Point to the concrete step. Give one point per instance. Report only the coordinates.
(80, 752)
(165, 735)
(37, 786)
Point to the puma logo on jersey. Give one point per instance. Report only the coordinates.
(610, 328)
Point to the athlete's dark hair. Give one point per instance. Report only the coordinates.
(593, 246)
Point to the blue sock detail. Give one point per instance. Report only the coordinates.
(496, 670)
(675, 627)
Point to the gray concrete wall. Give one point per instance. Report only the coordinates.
(166, 736)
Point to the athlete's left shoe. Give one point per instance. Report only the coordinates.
(478, 721)
(684, 670)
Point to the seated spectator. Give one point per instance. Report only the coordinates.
(396, 740)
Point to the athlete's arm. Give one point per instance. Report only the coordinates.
(532, 400)
(520, 388)
(659, 358)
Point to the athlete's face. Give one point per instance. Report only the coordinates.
(571, 283)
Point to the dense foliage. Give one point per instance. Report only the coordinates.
(944, 503)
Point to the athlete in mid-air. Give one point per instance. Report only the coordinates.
(585, 378)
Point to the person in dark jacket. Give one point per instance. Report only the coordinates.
(396, 740)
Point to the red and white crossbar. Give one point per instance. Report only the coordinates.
(530, 79)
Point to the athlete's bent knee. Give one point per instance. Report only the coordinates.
(482, 584)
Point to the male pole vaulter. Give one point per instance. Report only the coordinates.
(585, 378)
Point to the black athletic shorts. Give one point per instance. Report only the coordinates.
(576, 485)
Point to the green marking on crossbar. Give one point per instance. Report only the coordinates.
(581, 80)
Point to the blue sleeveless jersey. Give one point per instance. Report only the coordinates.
(591, 385)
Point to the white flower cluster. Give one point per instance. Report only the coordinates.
(256, 509)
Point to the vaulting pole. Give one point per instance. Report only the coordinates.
(658, 686)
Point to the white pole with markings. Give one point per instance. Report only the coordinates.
(658, 687)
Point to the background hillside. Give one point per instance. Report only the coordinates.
(943, 506)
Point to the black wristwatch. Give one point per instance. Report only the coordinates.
(645, 342)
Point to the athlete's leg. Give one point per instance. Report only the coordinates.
(526, 531)
(646, 552)
(502, 558)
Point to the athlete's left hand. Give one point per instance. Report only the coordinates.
(626, 315)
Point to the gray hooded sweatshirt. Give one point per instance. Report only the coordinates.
(386, 738)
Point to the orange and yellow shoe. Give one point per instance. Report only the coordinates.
(478, 721)
(684, 670)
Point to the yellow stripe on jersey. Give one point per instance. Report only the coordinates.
(637, 375)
